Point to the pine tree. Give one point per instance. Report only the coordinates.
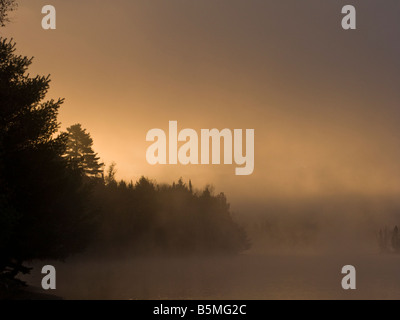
(6, 6)
(42, 199)
(110, 177)
(80, 152)
(190, 186)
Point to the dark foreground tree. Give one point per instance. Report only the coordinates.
(6, 6)
(42, 198)
(80, 152)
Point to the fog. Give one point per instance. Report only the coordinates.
(336, 224)
(298, 251)
(323, 103)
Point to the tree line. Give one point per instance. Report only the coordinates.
(56, 199)
(145, 216)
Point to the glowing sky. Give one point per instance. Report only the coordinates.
(324, 102)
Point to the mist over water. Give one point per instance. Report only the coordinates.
(323, 104)
(249, 276)
(320, 225)
(298, 251)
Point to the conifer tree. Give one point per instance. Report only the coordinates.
(6, 6)
(80, 152)
(43, 199)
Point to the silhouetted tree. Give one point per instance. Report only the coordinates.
(190, 186)
(80, 153)
(6, 6)
(42, 198)
(110, 176)
(395, 239)
(153, 218)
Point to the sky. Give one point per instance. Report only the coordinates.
(324, 102)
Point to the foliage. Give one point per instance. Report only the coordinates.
(42, 198)
(47, 201)
(150, 218)
(80, 152)
(6, 6)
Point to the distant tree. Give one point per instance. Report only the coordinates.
(395, 239)
(190, 186)
(110, 176)
(80, 152)
(42, 199)
(6, 6)
(152, 218)
(387, 239)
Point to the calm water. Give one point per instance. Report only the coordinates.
(241, 277)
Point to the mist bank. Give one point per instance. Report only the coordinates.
(298, 250)
(247, 276)
(337, 223)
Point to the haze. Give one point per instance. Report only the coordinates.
(323, 101)
(324, 104)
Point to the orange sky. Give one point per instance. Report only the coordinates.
(324, 102)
